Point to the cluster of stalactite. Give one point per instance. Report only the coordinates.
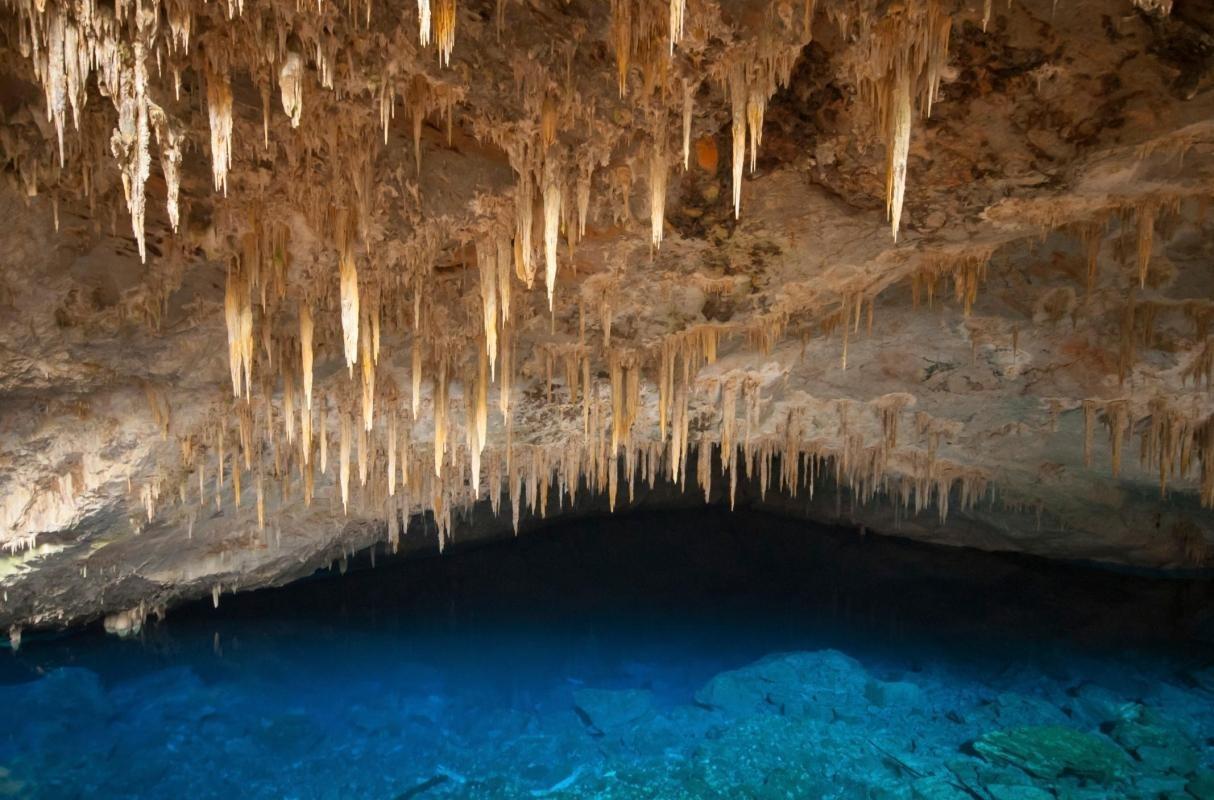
(385, 470)
(160, 64)
(898, 69)
(201, 49)
(1174, 430)
(443, 470)
(172, 66)
(1175, 439)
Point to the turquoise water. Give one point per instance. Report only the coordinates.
(662, 656)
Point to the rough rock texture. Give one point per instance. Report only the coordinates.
(283, 280)
(1051, 751)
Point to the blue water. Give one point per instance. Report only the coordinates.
(842, 672)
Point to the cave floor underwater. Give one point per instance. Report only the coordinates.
(664, 655)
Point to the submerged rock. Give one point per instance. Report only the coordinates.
(1201, 785)
(1052, 751)
(1097, 704)
(1012, 709)
(605, 709)
(1000, 791)
(935, 787)
(814, 685)
(884, 694)
(1156, 742)
(9, 786)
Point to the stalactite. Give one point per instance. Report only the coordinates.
(621, 41)
(305, 437)
(470, 442)
(444, 30)
(504, 268)
(1201, 368)
(1090, 236)
(585, 173)
(290, 85)
(487, 266)
(902, 57)
(524, 210)
(756, 106)
(130, 140)
(625, 398)
(552, 220)
(737, 96)
(305, 351)
(507, 375)
(657, 189)
(1116, 417)
(688, 101)
(419, 94)
(349, 308)
(423, 22)
(261, 498)
(238, 314)
(678, 9)
(56, 77)
(288, 408)
(899, 150)
(219, 109)
(170, 140)
(368, 376)
(343, 461)
(549, 119)
(482, 399)
(440, 416)
(1146, 238)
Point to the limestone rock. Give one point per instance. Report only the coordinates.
(899, 694)
(607, 709)
(816, 685)
(1201, 785)
(1051, 751)
(1000, 791)
(1156, 742)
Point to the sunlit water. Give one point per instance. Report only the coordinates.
(663, 656)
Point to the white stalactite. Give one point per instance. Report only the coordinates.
(290, 87)
(219, 111)
(899, 144)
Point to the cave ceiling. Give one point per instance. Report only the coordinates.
(283, 279)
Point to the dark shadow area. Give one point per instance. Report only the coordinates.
(709, 562)
(703, 568)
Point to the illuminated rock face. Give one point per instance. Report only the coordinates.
(948, 265)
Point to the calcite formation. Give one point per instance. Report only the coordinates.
(933, 268)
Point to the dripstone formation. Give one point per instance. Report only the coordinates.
(284, 280)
